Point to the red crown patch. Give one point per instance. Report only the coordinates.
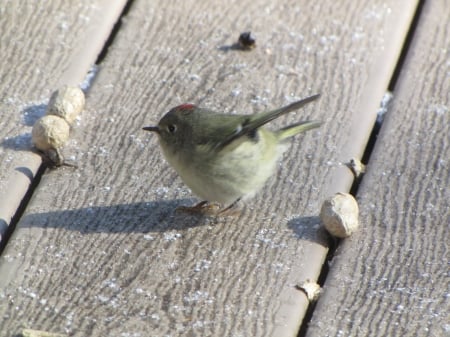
(186, 106)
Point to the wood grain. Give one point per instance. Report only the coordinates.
(100, 250)
(43, 46)
(391, 278)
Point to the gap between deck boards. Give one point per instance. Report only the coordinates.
(335, 242)
(89, 77)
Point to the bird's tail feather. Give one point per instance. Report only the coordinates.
(297, 128)
(265, 117)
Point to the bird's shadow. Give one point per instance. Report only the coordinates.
(153, 216)
(141, 217)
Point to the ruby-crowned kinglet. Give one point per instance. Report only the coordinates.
(223, 157)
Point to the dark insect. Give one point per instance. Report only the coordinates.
(246, 41)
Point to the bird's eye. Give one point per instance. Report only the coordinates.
(171, 128)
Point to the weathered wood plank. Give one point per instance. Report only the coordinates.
(43, 45)
(391, 278)
(100, 251)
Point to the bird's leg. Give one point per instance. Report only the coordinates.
(229, 208)
(202, 207)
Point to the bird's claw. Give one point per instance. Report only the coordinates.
(207, 208)
(203, 207)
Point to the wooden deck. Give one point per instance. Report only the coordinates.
(99, 250)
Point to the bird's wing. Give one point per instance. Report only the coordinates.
(212, 129)
(250, 123)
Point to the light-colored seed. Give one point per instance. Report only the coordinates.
(311, 289)
(356, 166)
(40, 333)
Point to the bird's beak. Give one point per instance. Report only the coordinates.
(152, 129)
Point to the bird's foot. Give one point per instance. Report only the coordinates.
(207, 208)
(203, 207)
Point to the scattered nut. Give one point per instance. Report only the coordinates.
(311, 289)
(49, 135)
(50, 132)
(246, 41)
(356, 167)
(67, 103)
(339, 215)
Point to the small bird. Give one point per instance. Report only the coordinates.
(221, 157)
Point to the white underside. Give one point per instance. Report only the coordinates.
(231, 175)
